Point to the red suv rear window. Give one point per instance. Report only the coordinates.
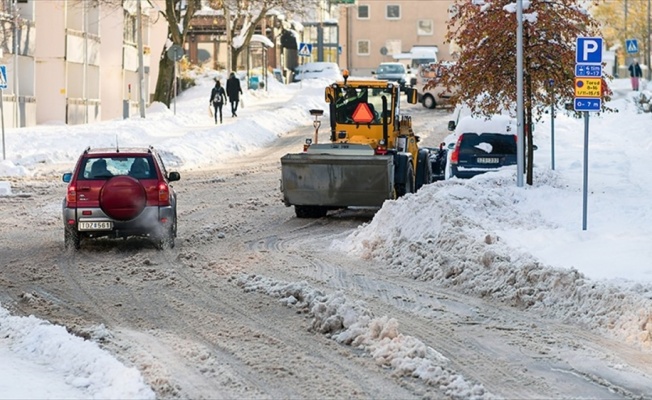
(139, 167)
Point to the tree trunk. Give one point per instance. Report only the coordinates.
(529, 124)
(235, 53)
(165, 82)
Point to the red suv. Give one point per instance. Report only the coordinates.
(120, 193)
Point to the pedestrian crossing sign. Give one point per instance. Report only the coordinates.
(631, 45)
(3, 76)
(305, 49)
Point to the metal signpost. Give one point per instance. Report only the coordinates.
(175, 53)
(588, 96)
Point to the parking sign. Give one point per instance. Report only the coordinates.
(588, 50)
(3, 76)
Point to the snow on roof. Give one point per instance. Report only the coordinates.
(262, 39)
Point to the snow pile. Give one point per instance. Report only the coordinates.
(83, 363)
(351, 323)
(455, 244)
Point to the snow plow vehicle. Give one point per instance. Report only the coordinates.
(372, 154)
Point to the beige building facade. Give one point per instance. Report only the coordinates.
(76, 61)
(373, 31)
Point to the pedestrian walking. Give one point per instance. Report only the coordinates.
(233, 90)
(635, 73)
(218, 98)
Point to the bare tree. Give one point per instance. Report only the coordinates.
(178, 14)
(485, 32)
(243, 17)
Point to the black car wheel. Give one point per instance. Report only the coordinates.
(71, 239)
(429, 102)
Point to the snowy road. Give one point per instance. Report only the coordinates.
(230, 313)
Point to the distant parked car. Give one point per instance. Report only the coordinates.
(393, 71)
(481, 145)
(119, 193)
(318, 70)
(438, 95)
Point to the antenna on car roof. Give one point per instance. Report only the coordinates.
(117, 148)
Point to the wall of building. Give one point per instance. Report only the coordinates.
(371, 38)
(50, 53)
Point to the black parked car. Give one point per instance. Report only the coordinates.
(482, 146)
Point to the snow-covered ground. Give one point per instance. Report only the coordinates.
(528, 244)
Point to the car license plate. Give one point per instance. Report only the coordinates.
(487, 160)
(96, 226)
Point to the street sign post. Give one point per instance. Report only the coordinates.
(175, 53)
(588, 95)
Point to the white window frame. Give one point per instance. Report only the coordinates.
(421, 32)
(368, 11)
(357, 47)
(387, 12)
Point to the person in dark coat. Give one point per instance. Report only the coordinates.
(218, 98)
(233, 90)
(635, 73)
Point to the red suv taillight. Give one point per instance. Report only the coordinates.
(455, 157)
(71, 196)
(163, 194)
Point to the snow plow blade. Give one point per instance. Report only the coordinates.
(329, 180)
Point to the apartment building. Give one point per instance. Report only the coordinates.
(373, 31)
(76, 61)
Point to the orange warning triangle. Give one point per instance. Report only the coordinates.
(363, 114)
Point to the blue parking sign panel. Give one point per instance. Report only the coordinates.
(3, 76)
(589, 50)
(587, 104)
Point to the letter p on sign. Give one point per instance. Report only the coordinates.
(588, 50)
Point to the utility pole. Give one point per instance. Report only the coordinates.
(141, 73)
(16, 91)
(647, 49)
(85, 65)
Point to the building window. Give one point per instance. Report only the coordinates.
(363, 11)
(363, 47)
(452, 11)
(424, 27)
(129, 33)
(393, 11)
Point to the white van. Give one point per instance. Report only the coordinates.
(437, 96)
(418, 55)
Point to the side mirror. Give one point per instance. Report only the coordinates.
(451, 125)
(373, 72)
(67, 177)
(451, 146)
(411, 95)
(329, 93)
(535, 147)
(173, 176)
